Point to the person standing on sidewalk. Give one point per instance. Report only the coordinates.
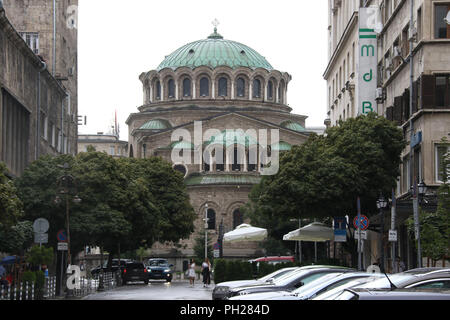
(206, 267)
(191, 273)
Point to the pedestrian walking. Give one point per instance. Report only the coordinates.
(191, 273)
(206, 272)
(399, 265)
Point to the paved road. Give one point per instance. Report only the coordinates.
(156, 290)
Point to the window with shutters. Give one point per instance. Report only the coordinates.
(441, 21)
(442, 90)
(32, 40)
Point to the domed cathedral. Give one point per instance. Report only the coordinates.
(201, 106)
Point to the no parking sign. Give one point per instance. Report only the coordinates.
(363, 223)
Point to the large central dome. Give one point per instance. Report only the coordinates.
(215, 52)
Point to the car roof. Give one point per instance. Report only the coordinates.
(400, 294)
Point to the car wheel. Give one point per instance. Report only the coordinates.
(146, 281)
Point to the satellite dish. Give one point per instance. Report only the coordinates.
(447, 18)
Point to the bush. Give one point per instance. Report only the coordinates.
(40, 283)
(220, 270)
(29, 276)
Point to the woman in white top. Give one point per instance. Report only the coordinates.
(191, 272)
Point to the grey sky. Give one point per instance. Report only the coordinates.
(118, 40)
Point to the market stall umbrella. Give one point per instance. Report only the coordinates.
(245, 232)
(8, 260)
(314, 232)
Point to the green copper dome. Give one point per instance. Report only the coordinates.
(156, 124)
(293, 126)
(213, 52)
(282, 146)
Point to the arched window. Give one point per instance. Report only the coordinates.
(270, 90)
(280, 93)
(240, 87)
(171, 85)
(181, 169)
(204, 87)
(187, 87)
(223, 87)
(158, 90)
(238, 218)
(256, 88)
(211, 219)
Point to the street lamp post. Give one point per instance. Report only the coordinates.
(206, 231)
(381, 204)
(67, 187)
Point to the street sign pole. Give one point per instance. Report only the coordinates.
(359, 234)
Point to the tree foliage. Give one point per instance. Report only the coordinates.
(324, 176)
(131, 202)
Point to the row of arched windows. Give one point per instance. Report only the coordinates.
(241, 89)
(238, 219)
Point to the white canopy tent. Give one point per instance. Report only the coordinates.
(314, 232)
(245, 232)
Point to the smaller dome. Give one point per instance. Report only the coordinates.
(291, 125)
(281, 146)
(156, 124)
(182, 145)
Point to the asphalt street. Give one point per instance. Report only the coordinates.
(156, 290)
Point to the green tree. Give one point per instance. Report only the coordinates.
(40, 255)
(435, 226)
(324, 176)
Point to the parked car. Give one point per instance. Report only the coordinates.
(221, 290)
(135, 271)
(114, 266)
(310, 290)
(291, 281)
(274, 259)
(160, 269)
(386, 294)
(434, 279)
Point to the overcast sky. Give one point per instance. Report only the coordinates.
(118, 40)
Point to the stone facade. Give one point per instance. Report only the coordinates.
(33, 116)
(49, 27)
(107, 143)
(430, 75)
(182, 103)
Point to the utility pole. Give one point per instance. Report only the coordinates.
(206, 231)
(411, 129)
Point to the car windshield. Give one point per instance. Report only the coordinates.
(306, 277)
(319, 280)
(276, 275)
(158, 263)
(333, 292)
(383, 283)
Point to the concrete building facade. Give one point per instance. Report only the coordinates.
(420, 76)
(33, 104)
(108, 143)
(49, 27)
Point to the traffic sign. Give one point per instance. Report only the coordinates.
(216, 253)
(40, 237)
(393, 235)
(41, 225)
(363, 235)
(216, 246)
(63, 246)
(61, 236)
(363, 223)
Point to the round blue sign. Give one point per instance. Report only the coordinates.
(363, 223)
(61, 236)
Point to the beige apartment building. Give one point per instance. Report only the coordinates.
(108, 143)
(428, 76)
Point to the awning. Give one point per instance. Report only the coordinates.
(9, 260)
(315, 232)
(245, 232)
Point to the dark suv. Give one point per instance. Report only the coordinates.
(160, 269)
(135, 271)
(114, 266)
